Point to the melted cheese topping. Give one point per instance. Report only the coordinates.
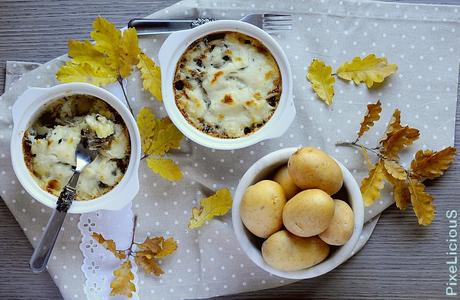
(227, 84)
(50, 144)
(101, 125)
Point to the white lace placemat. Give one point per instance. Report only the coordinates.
(421, 39)
(98, 265)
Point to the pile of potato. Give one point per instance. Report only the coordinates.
(298, 198)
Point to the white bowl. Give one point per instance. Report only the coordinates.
(250, 244)
(25, 110)
(170, 53)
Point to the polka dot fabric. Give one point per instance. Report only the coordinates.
(421, 39)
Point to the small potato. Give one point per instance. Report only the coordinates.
(341, 227)
(311, 168)
(286, 182)
(287, 252)
(308, 213)
(261, 208)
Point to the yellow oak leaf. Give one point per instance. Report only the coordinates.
(110, 58)
(395, 170)
(109, 245)
(121, 49)
(216, 205)
(322, 81)
(107, 40)
(372, 115)
(149, 265)
(129, 52)
(166, 137)
(151, 76)
(166, 168)
(84, 52)
(84, 72)
(146, 122)
(372, 184)
(398, 140)
(431, 164)
(371, 69)
(122, 284)
(422, 202)
(158, 136)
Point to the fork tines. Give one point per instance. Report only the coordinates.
(276, 22)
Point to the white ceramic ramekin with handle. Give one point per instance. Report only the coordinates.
(169, 55)
(250, 244)
(31, 103)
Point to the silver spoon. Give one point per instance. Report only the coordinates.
(84, 154)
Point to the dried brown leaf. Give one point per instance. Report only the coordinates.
(149, 265)
(398, 140)
(122, 283)
(431, 164)
(401, 193)
(158, 247)
(395, 170)
(422, 202)
(109, 245)
(372, 115)
(151, 244)
(151, 249)
(393, 125)
(167, 247)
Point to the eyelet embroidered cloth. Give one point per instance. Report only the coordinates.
(423, 40)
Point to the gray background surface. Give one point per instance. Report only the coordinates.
(401, 260)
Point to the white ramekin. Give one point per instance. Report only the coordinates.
(251, 244)
(26, 108)
(170, 53)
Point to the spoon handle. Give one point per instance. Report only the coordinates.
(42, 252)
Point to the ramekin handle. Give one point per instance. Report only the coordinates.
(127, 194)
(24, 101)
(287, 117)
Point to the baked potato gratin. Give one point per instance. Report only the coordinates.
(227, 84)
(50, 142)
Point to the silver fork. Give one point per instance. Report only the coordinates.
(271, 23)
(85, 154)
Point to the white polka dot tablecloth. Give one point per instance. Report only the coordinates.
(423, 40)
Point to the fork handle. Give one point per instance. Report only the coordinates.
(42, 252)
(155, 26)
